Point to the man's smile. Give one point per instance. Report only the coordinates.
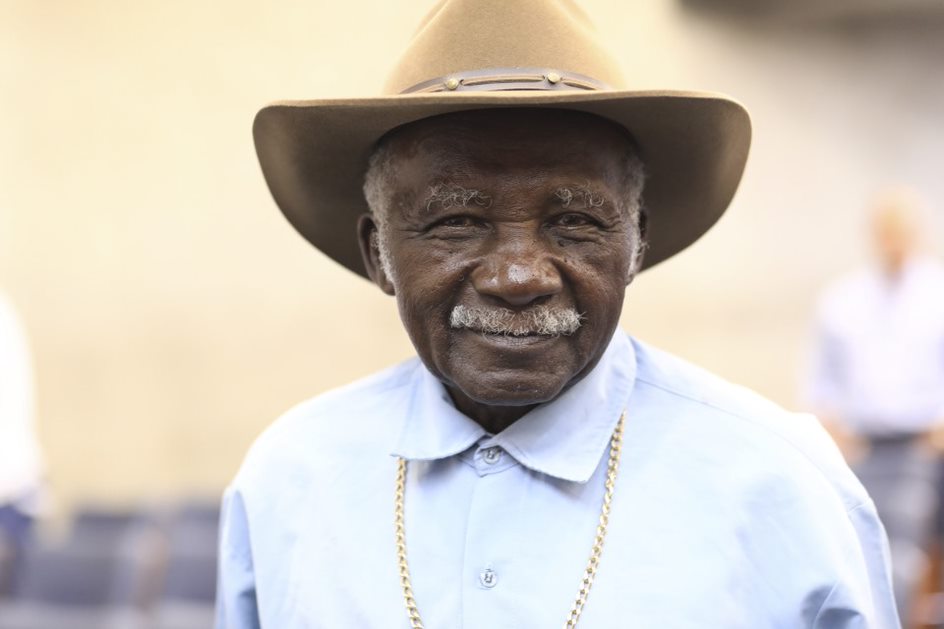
(512, 341)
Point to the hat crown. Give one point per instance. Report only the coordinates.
(473, 35)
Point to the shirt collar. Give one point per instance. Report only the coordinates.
(433, 428)
(565, 438)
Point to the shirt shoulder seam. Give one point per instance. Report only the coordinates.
(690, 398)
(782, 437)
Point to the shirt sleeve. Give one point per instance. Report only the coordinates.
(863, 597)
(823, 381)
(236, 584)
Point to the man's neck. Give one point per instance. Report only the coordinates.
(493, 419)
(894, 267)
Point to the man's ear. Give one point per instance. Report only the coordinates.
(641, 256)
(367, 237)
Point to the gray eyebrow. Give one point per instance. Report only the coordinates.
(582, 194)
(453, 195)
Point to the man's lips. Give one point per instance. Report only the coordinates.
(510, 341)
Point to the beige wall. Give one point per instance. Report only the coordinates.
(172, 311)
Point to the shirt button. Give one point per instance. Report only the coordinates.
(492, 455)
(488, 578)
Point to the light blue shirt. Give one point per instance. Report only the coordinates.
(728, 511)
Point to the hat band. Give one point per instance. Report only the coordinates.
(505, 79)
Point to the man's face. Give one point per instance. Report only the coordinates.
(895, 229)
(502, 214)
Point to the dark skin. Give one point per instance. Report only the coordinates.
(515, 245)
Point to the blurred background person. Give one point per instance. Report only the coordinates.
(21, 469)
(877, 380)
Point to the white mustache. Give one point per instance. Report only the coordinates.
(539, 320)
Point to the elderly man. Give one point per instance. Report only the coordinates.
(534, 466)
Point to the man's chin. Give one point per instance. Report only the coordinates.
(503, 389)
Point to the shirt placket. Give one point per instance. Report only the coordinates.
(487, 579)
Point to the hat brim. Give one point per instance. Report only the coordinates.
(314, 154)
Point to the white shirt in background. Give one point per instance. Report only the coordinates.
(21, 466)
(878, 362)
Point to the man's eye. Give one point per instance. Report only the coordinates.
(457, 221)
(572, 219)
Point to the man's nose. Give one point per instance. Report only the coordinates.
(517, 273)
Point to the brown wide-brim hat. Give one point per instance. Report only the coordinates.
(481, 54)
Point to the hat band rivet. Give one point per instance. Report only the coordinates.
(507, 79)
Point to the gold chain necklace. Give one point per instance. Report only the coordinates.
(616, 445)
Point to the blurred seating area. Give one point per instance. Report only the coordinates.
(152, 567)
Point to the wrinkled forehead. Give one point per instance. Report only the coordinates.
(502, 139)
